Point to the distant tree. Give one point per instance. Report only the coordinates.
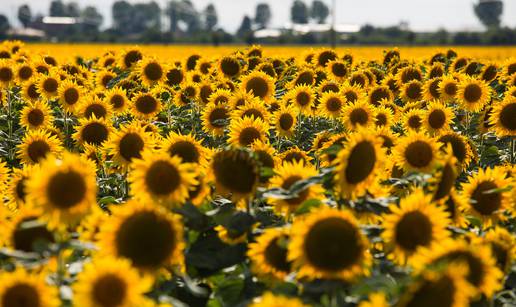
(489, 13)
(245, 27)
(366, 30)
(4, 25)
(72, 9)
(263, 15)
(211, 18)
(189, 15)
(299, 12)
(319, 11)
(57, 8)
(122, 16)
(146, 16)
(173, 15)
(92, 19)
(24, 15)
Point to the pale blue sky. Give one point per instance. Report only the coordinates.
(420, 14)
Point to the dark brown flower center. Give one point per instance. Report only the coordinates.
(276, 256)
(21, 295)
(186, 150)
(419, 154)
(131, 146)
(66, 189)
(94, 133)
(153, 71)
(361, 162)
(333, 244)
(508, 117)
(162, 178)
(109, 290)
(436, 119)
(35, 117)
(413, 230)
(37, 150)
(484, 200)
(248, 135)
(146, 239)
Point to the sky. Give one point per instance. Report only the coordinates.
(421, 15)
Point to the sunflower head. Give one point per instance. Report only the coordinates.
(21, 288)
(65, 188)
(416, 151)
(159, 177)
(229, 66)
(128, 143)
(244, 132)
(328, 244)
(269, 254)
(503, 117)
(235, 172)
(150, 237)
(92, 131)
(473, 94)
(259, 84)
(36, 145)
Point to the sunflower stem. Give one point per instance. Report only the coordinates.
(513, 149)
(10, 125)
(65, 128)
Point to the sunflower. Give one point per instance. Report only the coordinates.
(383, 117)
(235, 172)
(460, 146)
(16, 191)
(159, 177)
(415, 223)
(128, 143)
(243, 132)
(174, 76)
(92, 131)
(130, 57)
(26, 232)
(379, 94)
(358, 114)
(503, 247)
(259, 84)
(187, 147)
(110, 282)
(29, 91)
(273, 300)
(328, 86)
(337, 69)
(436, 70)
(487, 199)
(302, 97)
(408, 74)
(304, 76)
(35, 116)
(285, 120)
(352, 93)
(240, 98)
(215, 118)
(149, 236)
(64, 188)
(387, 138)
(331, 105)
(328, 244)
(103, 79)
(438, 117)
(117, 99)
(447, 287)
(92, 106)
(7, 75)
(458, 64)
(295, 154)
(376, 299)
(70, 95)
(413, 120)
(253, 109)
(448, 87)
(473, 94)
(186, 94)
(431, 89)
(220, 96)
(145, 105)
(269, 254)
(482, 272)
(229, 67)
(21, 288)
(151, 71)
(489, 72)
(266, 156)
(24, 72)
(391, 82)
(36, 145)
(412, 91)
(503, 117)
(357, 164)
(287, 175)
(359, 79)
(319, 140)
(48, 85)
(454, 205)
(444, 178)
(416, 151)
(509, 68)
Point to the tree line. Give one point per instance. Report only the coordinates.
(181, 21)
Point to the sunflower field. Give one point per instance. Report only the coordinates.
(307, 177)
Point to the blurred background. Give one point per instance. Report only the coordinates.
(364, 22)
